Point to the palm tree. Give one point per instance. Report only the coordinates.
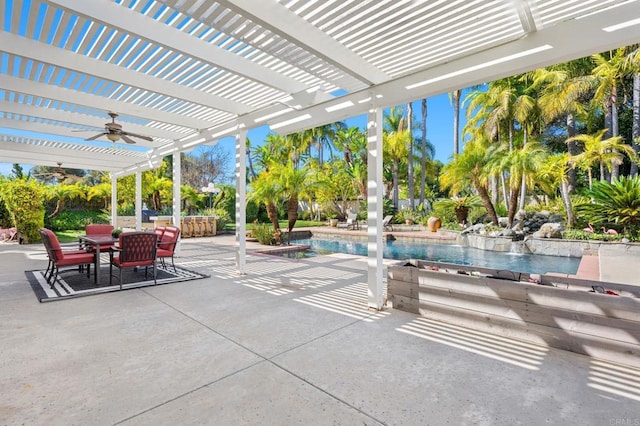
(469, 169)
(455, 100)
(410, 154)
(521, 164)
(264, 189)
(396, 139)
(633, 64)
(606, 153)
(607, 73)
(562, 88)
(553, 175)
(423, 150)
(61, 193)
(102, 191)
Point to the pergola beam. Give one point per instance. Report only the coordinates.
(291, 27)
(149, 29)
(49, 91)
(85, 120)
(62, 58)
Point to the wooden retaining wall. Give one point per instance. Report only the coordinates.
(562, 313)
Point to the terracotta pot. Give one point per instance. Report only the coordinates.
(433, 224)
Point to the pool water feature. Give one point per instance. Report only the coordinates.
(446, 253)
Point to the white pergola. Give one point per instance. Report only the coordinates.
(190, 72)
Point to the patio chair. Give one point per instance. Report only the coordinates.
(352, 221)
(135, 249)
(99, 229)
(386, 223)
(159, 231)
(59, 258)
(167, 246)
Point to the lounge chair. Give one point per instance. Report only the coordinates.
(352, 221)
(386, 223)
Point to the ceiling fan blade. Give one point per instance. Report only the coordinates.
(135, 135)
(95, 137)
(126, 138)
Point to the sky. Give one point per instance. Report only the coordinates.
(439, 131)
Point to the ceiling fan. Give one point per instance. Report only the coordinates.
(113, 131)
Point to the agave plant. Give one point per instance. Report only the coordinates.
(614, 205)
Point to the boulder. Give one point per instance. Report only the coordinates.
(550, 230)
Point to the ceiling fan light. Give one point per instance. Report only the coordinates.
(113, 137)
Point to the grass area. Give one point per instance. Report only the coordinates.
(69, 236)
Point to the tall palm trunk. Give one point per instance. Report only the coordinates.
(513, 205)
(572, 149)
(486, 202)
(292, 214)
(635, 129)
(456, 121)
(395, 183)
(423, 151)
(272, 212)
(410, 155)
(615, 168)
(523, 184)
(568, 206)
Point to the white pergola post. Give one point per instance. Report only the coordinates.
(114, 200)
(374, 199)
(177, 182)
(138, 201)
(241, 200)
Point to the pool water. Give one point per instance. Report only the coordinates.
(400, 250)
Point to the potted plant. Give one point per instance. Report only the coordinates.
(406, 215)
(116, 233)
(333, 219)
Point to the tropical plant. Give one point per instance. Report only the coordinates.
(614, 205)
(605, 153)
(460, 206)
(61, 193)
(469, 170)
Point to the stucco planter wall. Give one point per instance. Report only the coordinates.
(562, 314)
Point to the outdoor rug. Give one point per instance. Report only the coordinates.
(73, 283)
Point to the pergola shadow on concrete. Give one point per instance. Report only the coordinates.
(190, 72)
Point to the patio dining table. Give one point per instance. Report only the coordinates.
(95, 241)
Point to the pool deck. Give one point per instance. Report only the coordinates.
(289, 342)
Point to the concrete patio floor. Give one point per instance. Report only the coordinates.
(290, 342)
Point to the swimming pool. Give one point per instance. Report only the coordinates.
(403, 249)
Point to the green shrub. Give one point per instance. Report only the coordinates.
(24, 202)
(263, 232)
(76, 219)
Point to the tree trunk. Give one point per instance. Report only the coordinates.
(292, 214)
(615, 168)
(456, 121)
(635, 128)
(423, 151)
(566, 199)
(523, 183)
(503, 184)
(572, 149)
(486, 202)
(410, 155)
(395, 184)
(493, 185)
(59, 208)
(513, 205)
(272, 212)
